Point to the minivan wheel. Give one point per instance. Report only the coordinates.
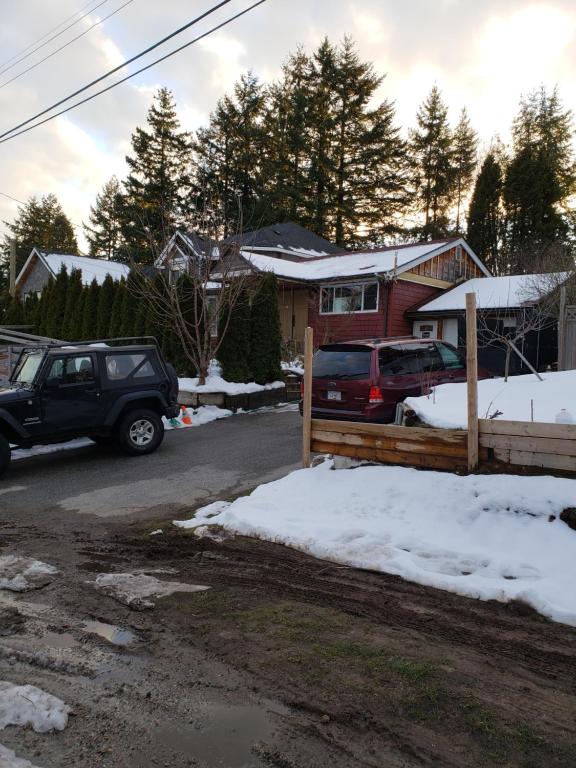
(5, 455)
(141, 431)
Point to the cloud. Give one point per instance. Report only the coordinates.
(482, 55)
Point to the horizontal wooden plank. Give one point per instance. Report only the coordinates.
(404, 444)
(544, 460)
(531, 444)
(390, 430)
(527, 429)
(389, 457)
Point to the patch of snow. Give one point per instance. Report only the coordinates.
(197, 416)
(40, 450)
(21, 574)
(8, 759)
(215, 383)
(483, 536)
(139, 590)
(210, 510)
(293, 366)
(28, 705)
(157, 532)
(447, 406)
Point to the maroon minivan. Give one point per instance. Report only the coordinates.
(365, 380)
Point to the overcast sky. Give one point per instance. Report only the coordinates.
(482, 53)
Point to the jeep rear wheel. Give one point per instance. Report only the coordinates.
(141, 431)
(5, 455)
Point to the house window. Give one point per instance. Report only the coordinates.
(343, 299)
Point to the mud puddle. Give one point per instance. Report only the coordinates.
(225, 739)
(110, 632)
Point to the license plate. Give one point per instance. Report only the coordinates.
(334, 395)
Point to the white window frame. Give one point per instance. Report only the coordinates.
(363, 286)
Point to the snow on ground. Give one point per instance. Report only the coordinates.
(215, 383)
(446, 407)
(8, 759)
(293, 366)
(139, 590)
(493, 537)
(28, 705)
(197, 416)
(20, 574)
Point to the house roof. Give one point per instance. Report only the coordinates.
(508, 291)
(288, 238)
(90, 268)
(385, 261)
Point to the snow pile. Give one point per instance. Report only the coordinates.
(493, 537)
(293, 366)
(8, 759)
(196, 417)
(138, 590)
(511, 400)
(28, 705)
(216, 384)
(20, 574)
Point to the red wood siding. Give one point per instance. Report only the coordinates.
(404, 295)
(395, 297)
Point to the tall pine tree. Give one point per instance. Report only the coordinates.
(464, 148)
(485, 216)
(103, 231)
(158, 185)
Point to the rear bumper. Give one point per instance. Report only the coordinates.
(376, 414)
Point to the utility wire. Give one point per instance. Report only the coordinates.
(37, 64)
(39, 40)
(4, 194)
(138, 71)
(115, 69)
(5, 69)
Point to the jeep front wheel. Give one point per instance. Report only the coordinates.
(5, 455)
(139, 432)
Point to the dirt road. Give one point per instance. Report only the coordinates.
(285, 661)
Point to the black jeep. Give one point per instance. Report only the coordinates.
(112, 394)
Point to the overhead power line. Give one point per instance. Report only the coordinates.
(73, 40)
(27, 55)
(4, 194)
(120, 66)
(39, 40)
(137, 72)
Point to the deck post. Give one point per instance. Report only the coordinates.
(307, 400)
(472, 381)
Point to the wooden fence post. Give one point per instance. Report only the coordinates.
(472, 380)
(307, 401)
(562, 329)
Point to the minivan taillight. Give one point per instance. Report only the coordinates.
(375, 395)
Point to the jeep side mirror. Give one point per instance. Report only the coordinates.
(53, 382)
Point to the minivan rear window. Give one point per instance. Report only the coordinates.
(342, 362)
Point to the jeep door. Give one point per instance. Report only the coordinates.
(71, 401)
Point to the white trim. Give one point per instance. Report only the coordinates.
(352, 284)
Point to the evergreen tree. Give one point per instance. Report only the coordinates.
(115, 326)
(72, 320)
(14, 314)
(129, 308)
(89, 329)
(485, 218)
(158, 185)
(433, 167)
(105, 304)
(234, 350)
(43, 307)
(265, 332)
(465, 146)
(104, 229)
(40, 224)
(57, 305)
(31, 304)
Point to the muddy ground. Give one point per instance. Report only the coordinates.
(285, 661)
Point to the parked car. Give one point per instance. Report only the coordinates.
(112, 394)
(365, 380)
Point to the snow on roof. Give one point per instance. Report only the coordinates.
(347, 264)
(496, 292)
(90, 268)
(287, 237)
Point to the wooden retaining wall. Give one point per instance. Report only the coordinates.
(529, 444)
(410, 446)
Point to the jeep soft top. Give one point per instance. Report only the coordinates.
(111, 390)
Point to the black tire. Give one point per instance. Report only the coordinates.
(5, 455)
(139, 432)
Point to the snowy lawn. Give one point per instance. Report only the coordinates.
(215, 383)
(510, 400)
(493, 537)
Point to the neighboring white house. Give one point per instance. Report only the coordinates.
(40, 266)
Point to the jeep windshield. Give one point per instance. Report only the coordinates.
(27, 369)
